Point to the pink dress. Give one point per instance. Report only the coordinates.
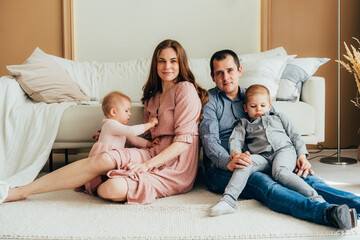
(113, 136)
(178, 122)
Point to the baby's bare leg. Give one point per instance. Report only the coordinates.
(67, 177)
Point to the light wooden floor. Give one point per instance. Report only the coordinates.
(345, 177)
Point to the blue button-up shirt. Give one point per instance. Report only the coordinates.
(220, 116)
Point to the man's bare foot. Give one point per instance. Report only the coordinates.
(15, 194)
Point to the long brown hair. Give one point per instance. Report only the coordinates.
(154, 84)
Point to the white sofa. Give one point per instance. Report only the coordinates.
(79, 122)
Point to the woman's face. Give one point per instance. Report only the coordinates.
(168, 65)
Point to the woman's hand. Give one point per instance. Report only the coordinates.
(138, 167)
(168, 154)
(239, 160)
(303, 166)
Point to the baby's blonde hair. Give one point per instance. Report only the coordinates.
(256, 89)
(111, 100)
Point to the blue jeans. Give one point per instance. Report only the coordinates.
(262, 187)
(332, 195)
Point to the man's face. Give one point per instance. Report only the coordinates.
(226, 76)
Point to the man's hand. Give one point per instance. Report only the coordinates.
(239, 160)
(303, 166)
(153, 143)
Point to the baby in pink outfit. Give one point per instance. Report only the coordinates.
(114, 131)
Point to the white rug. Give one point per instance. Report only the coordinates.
(70, 215)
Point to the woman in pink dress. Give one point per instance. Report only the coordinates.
(170, 94)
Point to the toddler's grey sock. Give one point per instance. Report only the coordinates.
(221, 208)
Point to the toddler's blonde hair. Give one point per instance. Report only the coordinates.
(111, 100)
(256, 89)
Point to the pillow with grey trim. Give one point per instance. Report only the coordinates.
(296, 72)
(265, 71)
(45, 81)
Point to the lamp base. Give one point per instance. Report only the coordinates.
(337, 161)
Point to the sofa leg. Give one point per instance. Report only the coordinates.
(51, 161)
(66, 156)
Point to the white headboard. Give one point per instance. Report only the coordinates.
(118, 30)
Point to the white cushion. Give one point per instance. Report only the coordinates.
(295, 73)
(76, 115)
(280, 51)
(266, 71)
(127, 77)
(301, 114)
(200, 67)
(83, 73)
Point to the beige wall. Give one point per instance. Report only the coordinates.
(308, 28)
(123, 30)
(25, 25)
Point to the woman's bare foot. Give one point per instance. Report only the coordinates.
(15, 194)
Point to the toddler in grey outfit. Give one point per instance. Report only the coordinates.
(275, 145)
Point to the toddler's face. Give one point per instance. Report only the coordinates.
(123, 113)
(257, 106)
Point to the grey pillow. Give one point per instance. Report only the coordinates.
(295, 73)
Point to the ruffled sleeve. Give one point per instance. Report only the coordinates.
(186, 113)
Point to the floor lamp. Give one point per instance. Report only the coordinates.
(338, 160)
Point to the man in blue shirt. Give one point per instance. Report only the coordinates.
(220, 116)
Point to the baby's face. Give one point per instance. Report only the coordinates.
(123, 113)
(257, 106)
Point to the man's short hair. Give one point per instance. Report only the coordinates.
(221, 55)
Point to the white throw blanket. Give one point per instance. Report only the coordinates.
(27, 133)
